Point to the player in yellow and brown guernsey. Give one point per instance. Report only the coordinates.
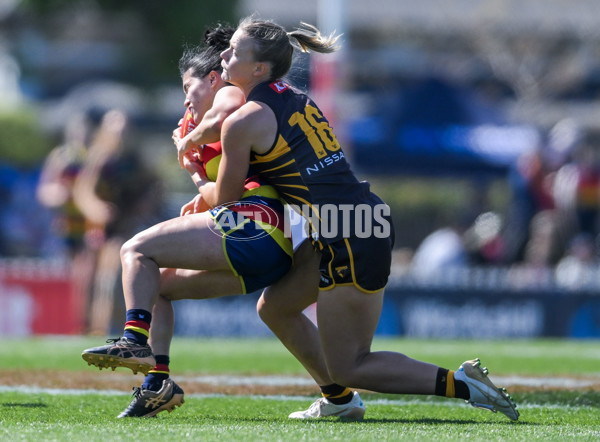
(312, 175)
(282, 134)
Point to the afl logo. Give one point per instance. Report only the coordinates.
(244, 221)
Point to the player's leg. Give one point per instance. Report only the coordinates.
(281, 308)
(347, 321)
(348, 310)
(180, 284)
(188, 242)
(158, 389)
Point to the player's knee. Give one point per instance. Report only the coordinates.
(346, 370)
(260, 305)
(130, 249)
(266, 309)
(344, 375)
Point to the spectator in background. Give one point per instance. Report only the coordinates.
(445, 252)
(577, 191)
(442, 250)
(55, 190)
(118, 195)
(532, 183)
(530, 193)
(483, 239)
(552, 221)
(57, 180)
(578, 268)
(535, 269)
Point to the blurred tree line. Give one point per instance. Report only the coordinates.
(159, 29)
(58, 44)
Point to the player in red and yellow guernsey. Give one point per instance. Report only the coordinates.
(253, 222)
(212, 250)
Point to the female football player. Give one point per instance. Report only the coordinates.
(282, 135)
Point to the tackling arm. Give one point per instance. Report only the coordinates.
(227, 100)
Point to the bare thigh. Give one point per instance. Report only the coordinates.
(298, 289)
(198, 284)
(187, 242)
(347, 321)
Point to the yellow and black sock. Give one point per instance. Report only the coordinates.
(447, 386)
(336, 394)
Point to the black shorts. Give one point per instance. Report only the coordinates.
(363, 262)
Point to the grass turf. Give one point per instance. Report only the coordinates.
(545, 414)
(266, 355)
(245, 418)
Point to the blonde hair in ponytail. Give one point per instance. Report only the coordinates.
(309, 38)
(275, 46)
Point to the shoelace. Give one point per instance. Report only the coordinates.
(316, 404)
(137, 392)
(113, 340)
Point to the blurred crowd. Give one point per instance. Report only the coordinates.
(550, 233)
(95, 190)
(98, 192)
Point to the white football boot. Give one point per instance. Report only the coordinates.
(484, 394)
(355, 409)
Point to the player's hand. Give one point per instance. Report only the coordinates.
(192, 162)
(176, 135)
(196, 205)
(184, 147)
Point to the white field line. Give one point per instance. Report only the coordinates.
(303, 381)
(269, 381)
(562, 382)
(539, 382)
(276, 381)
(395, 402)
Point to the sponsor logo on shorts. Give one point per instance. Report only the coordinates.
(341, 271)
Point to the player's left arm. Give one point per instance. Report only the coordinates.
(233, 167)
(252, 127)
(227, 100)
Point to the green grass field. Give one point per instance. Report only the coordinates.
(28, 412)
